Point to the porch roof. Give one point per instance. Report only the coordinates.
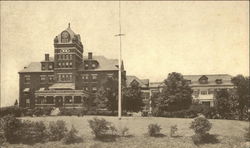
(62, 86)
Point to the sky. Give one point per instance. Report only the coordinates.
(189, 37)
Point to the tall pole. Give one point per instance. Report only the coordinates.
(120, 70)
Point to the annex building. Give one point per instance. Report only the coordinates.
(68, 78)
(203, 86)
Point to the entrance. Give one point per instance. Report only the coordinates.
(58, 101)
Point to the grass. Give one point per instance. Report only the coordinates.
(229, 133)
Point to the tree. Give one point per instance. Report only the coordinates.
(242, 90)
(225, 103)
(101, 100)
(176, 94)
(132, 98)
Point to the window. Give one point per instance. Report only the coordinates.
(207, 103)
(70, 64)
(70, 56)
(27, 79)
(51, 78)
(110, 75)
(42, 78)
(93, 65)
(59, 64)
(86, 65)
(203, 92)
(66, 56)
(218, 81)
(50, 66)
(85, 76)
(94, 88)
(67, 64)
(27, 102)
(210, 91)
(65, 77)
(43, 66)
(94, 76)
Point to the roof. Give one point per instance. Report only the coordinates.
(156, 84)
(34, 67)
(62, 86)
(71, 33)
(226, 79)
(142, 82)
(104, 64)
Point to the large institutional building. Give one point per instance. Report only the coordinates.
(68, 78)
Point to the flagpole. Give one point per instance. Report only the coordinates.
(120, 58)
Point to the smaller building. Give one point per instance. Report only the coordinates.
(203, 86)
(144, 86)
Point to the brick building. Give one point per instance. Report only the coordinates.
(67, 79)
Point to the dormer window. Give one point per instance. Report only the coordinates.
(93, 65)
(43, 66)
(50, 66)
(218, 81)
(203, 80)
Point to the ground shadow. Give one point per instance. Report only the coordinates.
(206, 139)
(158, 135)
(107, 138)
(176, 136)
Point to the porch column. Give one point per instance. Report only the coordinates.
(63, 101)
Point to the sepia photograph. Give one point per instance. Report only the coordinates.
(124, 74)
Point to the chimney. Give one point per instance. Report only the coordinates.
(46, 57)
(90, 55)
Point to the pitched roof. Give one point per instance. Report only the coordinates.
(226, 79)
(104, 64)
(155, 84)
(34, 67)
(142, 83)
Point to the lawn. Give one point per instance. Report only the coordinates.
(228, 132)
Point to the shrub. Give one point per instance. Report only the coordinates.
(154, 129)
(33, 132)
(13, 110)
(247, 134)
(71, 137)
(57, 130)
(11, 128)
(124, 131)
(173, 130)
(200, 125)
(99, 127)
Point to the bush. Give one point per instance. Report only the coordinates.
(33, 132)
(57, 130)
(11, 128)
(124, 131)
(200, 125)
(71, 137)
(71, 112)
(173, 130)
(154, 129)
(100, 127)
(13, 110)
